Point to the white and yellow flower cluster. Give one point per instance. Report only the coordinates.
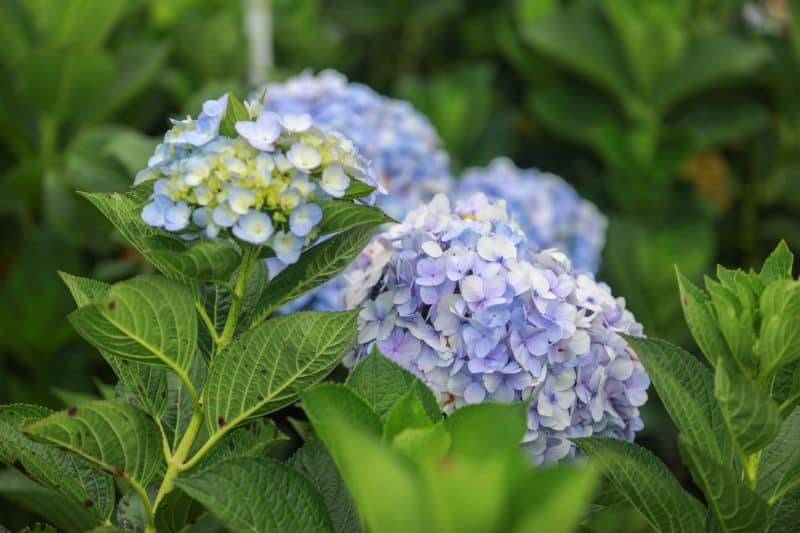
(261, 179)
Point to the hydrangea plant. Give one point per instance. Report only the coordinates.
(547, 208)
(738, 416)
(457, 296)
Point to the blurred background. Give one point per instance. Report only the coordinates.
(680, 119)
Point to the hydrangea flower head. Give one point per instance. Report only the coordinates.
(262, 180)
(401, 144)
(458, 297)
(546, 207)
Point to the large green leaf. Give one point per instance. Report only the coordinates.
(562, 496)
(779, 340)
(342, 215)
(780, 457)
(751, 415)
(508, 423)
(786, 513)
(59, 510)
(702, 322)
(68, 475)
(315, 462)
(249, 494)
(647, 484)
(384, 485)
(144, 385)
(118, 438)
(316, 266)
(382, 382)
(737, 507)
(778, 265)
(267, 367)
(687, 389)
(148, 319)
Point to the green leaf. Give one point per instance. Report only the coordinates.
(145, 385)
(87, 22)
(779, 340)
(388, 493)
(687, 389)
(561, 499)
(61, 511)
(68, 475)
(752, 417)
(427, 444)
(316, 266)
(331, 400)
(313, 460)
(176, 511)
(249, 494)
(234, 112)
(702, 322)
(340, 216)
(267, 367)
(207, 261)
(786, 513)
(779, 457)
(382, 382)
(357, 189)
(148, 319)
(737, 507)
(408, 413)
(712, 60)
(577, 40)
(778, 265)
(84, 290)
(735, 319)
(118, 438)
(647, 484)
(255, 439)
(470, 439)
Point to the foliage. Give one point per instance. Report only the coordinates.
(738, 420)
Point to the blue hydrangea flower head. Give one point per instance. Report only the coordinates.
(262, 184)
(457, 296)
(547, 208)
(401, 144)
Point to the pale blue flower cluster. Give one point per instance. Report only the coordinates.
(458, 297)
(401, 144)
(549, 210)
(263, 184)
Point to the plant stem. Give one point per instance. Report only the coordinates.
(174, 462)
(148, 509)
(248, 263)
(750, 468)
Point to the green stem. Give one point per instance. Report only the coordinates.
(789, 401)
(174, 462)
(249, 258)
(148, 509)
(750, 468)
(204, 449)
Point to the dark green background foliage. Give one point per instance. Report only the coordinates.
(677, 119)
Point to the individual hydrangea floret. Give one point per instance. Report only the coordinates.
(401, 144)
(458, 297)
(263, 182)
(547, 208)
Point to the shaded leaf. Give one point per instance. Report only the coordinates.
(737, 507)
(249, 494)
(647, 484)
(116, 437)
